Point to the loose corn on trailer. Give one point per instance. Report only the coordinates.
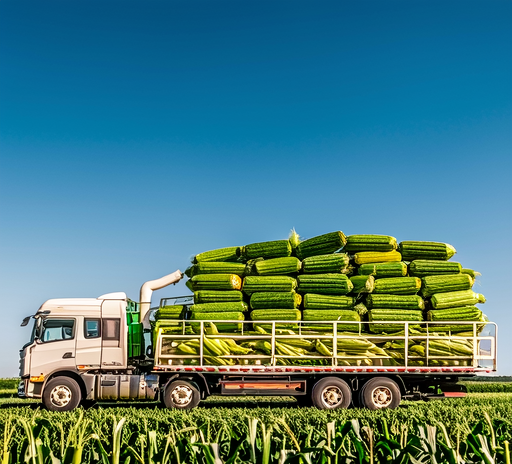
(325, 364)
(110, 348)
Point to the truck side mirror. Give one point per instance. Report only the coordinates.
(25, 321)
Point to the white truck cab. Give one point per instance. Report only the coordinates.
(73, 336)
(85, 349)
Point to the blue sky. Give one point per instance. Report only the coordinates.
(136, 134)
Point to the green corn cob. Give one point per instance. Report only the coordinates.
(398, 285)
(425, 267)
(383, 269)
(216, 282)
(271, 249)
(322, 349)
(260, 345)
(450, 347)
(354, 344)
(232, 306)
(315, 301)
(357, 243)
(325, 264)
(268, 284)
(395, 302)
(426, 250)
(221, 254)
(321, 245)
(184, 348)
(284, 300)
(445, 283)
(455, 299)
(389, 315)
(169, 312)
(463, 313)
(217, 296)
(278, 266)
(325, 284)
(370, 257)
(213, 267)
(275, 315)
(298, 343)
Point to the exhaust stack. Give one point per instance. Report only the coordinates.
(148, 287)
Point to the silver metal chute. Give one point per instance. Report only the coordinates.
(146, 291)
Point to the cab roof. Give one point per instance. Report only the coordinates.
(64, 302)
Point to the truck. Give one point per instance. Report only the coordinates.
(86, 350)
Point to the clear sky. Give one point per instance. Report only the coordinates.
(135, 134)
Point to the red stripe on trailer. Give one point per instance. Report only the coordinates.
(269, 369)
(454, 394)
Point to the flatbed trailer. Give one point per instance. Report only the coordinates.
(370, 380)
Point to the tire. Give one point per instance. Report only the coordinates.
(181, 394)
(61, 394)
(380, 393)
(331, 393)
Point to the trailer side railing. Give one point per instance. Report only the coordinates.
(337, 343)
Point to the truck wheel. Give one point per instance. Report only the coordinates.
(181, 394)
(61, 394)
(331, 393)
(380, 394)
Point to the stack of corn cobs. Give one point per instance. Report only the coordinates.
(370, 279)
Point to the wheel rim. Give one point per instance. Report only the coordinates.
(382, 397)
(61, 396)
(182, 395)
(332, 396)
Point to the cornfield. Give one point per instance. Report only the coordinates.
(473, 430)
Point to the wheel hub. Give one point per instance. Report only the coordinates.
(61, 396)
(382, 397)
(332, 396)
(182, 395)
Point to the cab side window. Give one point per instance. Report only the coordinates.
(54, 330)
(111, 329)
(92, 328)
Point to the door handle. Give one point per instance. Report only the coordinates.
(67, 355)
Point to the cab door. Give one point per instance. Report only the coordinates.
(54, 349)
(88, 343)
